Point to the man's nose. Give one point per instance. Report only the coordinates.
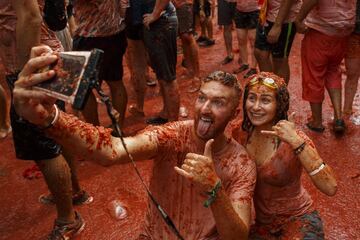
(206, 107)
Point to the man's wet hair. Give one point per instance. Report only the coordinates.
(226, 79)
(282, 99)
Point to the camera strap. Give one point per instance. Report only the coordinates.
(112, 113)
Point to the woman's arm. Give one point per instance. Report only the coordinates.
(321, 175)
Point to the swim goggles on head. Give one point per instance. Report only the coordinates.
(269, 82)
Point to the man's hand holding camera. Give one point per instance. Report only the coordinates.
(33, 105)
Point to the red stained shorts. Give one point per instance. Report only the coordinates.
(321, 56)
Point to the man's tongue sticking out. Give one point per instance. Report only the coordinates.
(203, 126)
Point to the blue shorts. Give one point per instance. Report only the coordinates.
(308, 227)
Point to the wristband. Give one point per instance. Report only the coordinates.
(299, 149)
(56, 117)
(316, 171)
(212, 194)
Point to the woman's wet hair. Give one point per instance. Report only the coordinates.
(226, 79)
(282, 99)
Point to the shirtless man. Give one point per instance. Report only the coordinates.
(194, 156)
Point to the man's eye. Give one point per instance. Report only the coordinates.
(201, 98)
(218, 103)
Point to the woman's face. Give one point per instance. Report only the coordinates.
(260, 105)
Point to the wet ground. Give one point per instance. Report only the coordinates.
(22, 217)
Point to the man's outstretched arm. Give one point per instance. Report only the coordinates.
(76, 136)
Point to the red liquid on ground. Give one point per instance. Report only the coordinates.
(22, 217)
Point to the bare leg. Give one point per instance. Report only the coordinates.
(209, 27)
(136, 56)
(4, 114)
(202, 26)
(90, 111)
(72, 165)
(251, 37)
(316, 110)
(263, 58)
(58, 179)
(335, 96)
(171, 99)
(242, 40)
(119, 98)
(281, 68)
(351, 84)
(228, 40)
(191, 52)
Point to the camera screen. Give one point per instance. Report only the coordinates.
(69, 72)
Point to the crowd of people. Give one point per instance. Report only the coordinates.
(242, 186)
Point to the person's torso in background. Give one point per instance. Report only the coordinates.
(179, 3)
(98, 18)
(247, 5)
(8, 36)
(274, 6)
(333, 17)
(357, 20)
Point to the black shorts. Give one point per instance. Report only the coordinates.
(280, 49)
(246, 20)
(29, 141)
(134, 32)
(207, 8)
(114, 48)
(185, 18)
(160, 43)
(226, 12)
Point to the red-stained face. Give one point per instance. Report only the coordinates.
(214, 108)
(260, 105)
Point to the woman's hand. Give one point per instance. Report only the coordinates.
(286, 131)
(200, 168)
(33, 105)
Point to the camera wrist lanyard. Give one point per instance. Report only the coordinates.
(111, 112)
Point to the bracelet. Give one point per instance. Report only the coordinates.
(212, 194)
(316, 171)
(56, 117)
(299, 149)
